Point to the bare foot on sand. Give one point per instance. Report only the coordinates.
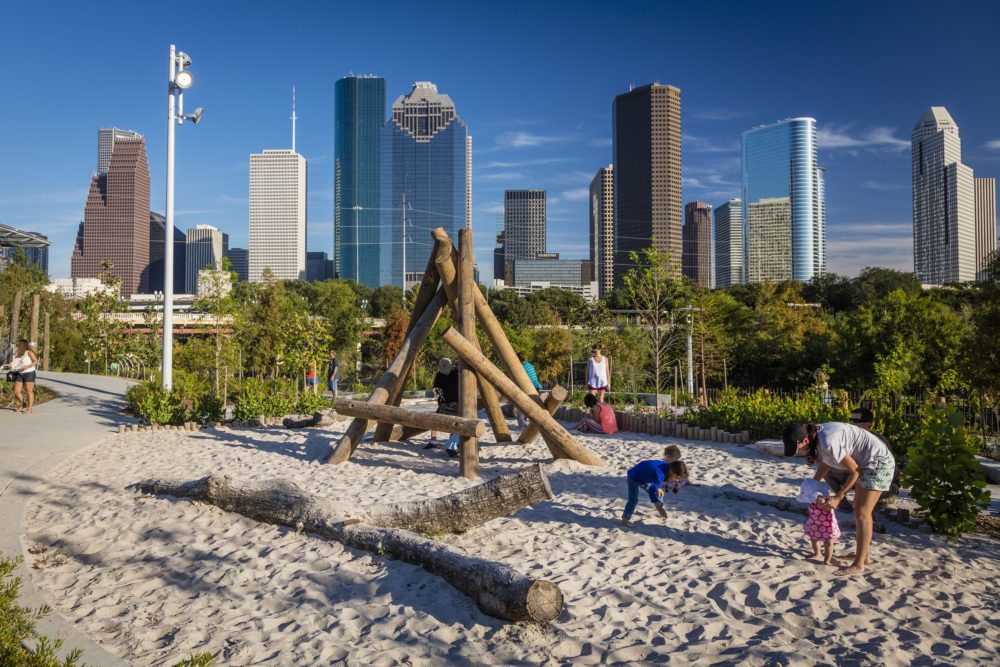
(847, 571)
(851, 557)
(625, 522)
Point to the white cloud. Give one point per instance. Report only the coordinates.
(600, 143)
(834, 137)
(522, 139)
(233, 200)
(882, 187)
(852, 246)
(517, 164)
(502, 176)
(579, 194)
(697, 144)
(993, 145)
(718, 114)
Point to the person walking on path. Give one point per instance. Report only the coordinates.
(23, 367)
(598, 374)
(863, 455)
(333, 373)
(533, 376)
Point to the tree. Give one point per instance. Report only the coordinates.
(218, 302)
(550, 355)
(382, 300)
(655, 291)
(102, 335)
(565, 304)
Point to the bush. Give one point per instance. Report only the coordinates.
(308, 403)
(187, 401)
(945, 478)
(7, 399)
(763, 414)
(264, 398)
(17, 627)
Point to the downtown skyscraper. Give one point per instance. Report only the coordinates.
(697, 236)
(426, 180)
(115, 226)
(206, 246)
(944, 209)
(523, 224)
(602, 228)
(729, 244)
(358, 126)
(646, 145)
(779, 162)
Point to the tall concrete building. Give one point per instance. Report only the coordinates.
(106, 137)
(986, 224)
(602, 228)
(944, 216)
(239, 263)
(697, 237)
(779, 161)
(769, 240)
(157, 247)
(206, 246)
(523, 224)
(319, 267)
(425, 181)
(115, 225)
(277, 215)
(729, 244)
(358, 125)
(646, 136)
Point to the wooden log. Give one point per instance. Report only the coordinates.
(405, 432)
(497, 589)
(15, 319)
(425, 293)
(319, 419)
(446, 262)
(468, 445)
(36, 301)
(45, 347)
(549, 427)
(552, 402)
(392, 378)
(426, 420)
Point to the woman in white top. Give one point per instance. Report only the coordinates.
(598, 374)
(866, 458)
(23, 366)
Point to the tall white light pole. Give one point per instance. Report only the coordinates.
(180, 79)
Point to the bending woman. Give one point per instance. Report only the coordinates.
(864, 456)
(23, 366)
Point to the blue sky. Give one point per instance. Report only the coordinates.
(533, 81)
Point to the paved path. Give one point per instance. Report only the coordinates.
(30, 447)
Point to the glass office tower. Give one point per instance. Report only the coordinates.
(424, 180)
(780, 161)
(359, 118)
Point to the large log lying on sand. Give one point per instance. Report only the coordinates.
(498, 590)
(416, 418)
(319, 419)
(551, 430)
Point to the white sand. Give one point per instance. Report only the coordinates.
(153, 579)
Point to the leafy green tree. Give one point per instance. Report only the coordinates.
(382, 300)
(550, 354)
(103, 336)
(565, 304)
(218, 302)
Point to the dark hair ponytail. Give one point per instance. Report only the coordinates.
(813, 432)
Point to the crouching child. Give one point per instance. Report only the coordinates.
(653, 477)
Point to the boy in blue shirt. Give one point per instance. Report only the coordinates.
(653, 477)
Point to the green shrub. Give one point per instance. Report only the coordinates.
(764, 414)
(150, 403)
(307, 403)
(17, 627)
(42, 394)
(197, 660)
(263, 398)
(187, 401)
(945, 478)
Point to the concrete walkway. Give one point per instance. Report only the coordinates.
(30, 447)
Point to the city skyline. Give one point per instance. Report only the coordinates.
(546, 132)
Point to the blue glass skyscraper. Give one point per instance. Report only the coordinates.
(358, 123)
(779, 161)
(425, 169)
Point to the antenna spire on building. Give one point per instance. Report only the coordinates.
(294, 118)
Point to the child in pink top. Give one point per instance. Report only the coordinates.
(602, 417)
(821, 526)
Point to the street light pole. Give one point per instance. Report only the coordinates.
(168, 233)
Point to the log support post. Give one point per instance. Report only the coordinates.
(468, 444)
(463, 426)
(555, 399)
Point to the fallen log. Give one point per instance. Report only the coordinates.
(406, 417)
(319, 419)
(498, 590)
(551, 402)
(405, 432)
(555, 435)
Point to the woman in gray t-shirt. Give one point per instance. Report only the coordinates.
(863, 455)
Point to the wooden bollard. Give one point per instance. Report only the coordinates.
(121, 428)
(745, 437)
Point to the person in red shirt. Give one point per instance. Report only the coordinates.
(602, 417)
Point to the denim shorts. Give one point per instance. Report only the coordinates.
(25, 377)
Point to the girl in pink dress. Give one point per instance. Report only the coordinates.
(821, 526)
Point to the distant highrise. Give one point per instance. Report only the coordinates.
(106, 137)
(115, 225)
(729, 244)
(523, 223)
(358, 125)
(425, 180)
(602, 228)
(986, 224)
(157, 225)
(779, 161)
(770, 240)
(278, 215)
(499, 258)
(944, 217)
(697, 236)
(319, 267)
(239, 263)
(646, 138)
(206, 246)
